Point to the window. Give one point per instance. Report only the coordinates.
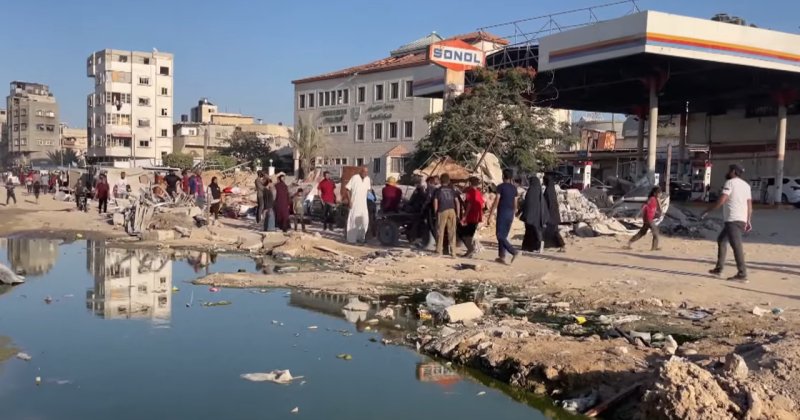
(311, 100)
(376, 165)
(337, 129)
(164, 112)
(347, 96)
(393, 131)
(359, 132)
(39, 113)
(143, 122)
(359, 161)
(39, 127)
(327, 99)
(409, 88)
(164, 91)
(16, 127)
(50, 114)
(144, 143)
(339, 97)
(144, 81)
(394, 90)
(397, 164)
(320, 101)
(301, 101)
(145, 60)
(164, 71)
(362, 94)
(23, 126)
(51, 128)
(23, 112)
(122, 58)
(144, 101)
(408, 130)
(378, 93)
(164, 133)
(377, 131)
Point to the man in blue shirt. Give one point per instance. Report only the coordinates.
(506, 206)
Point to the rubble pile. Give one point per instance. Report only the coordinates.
(586, 217)
(685, 223)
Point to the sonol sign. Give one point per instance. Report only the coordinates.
(456, 55)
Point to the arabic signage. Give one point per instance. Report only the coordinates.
(333, 115)
(456, 55)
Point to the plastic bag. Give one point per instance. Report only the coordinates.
(437, 302)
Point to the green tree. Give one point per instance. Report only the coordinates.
(179, 160)
(246, 146)
(223, 161)
(63, 157)
(497, 115)
(308, 144)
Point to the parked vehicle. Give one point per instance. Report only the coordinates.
(763, 190)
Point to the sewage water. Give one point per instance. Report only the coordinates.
(117, 342)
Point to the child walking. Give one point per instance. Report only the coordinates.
(649, 211)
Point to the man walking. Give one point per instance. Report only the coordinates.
(737, 211)
(447, 207)
(327, 193)
(506, 206)
(101, 194)
(172, 181)
(259, 195)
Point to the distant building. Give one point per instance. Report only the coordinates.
(210, 130)
(369, 114)
(32, 123)
(74, 139)
(4, 148)
(130, 112)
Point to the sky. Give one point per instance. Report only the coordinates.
(243, 55)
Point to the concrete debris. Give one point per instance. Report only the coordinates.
(118, 219)
(463, 312)
(670, 345)
(576, 208)
(579, 405)
(282, 377)
(158, 235)
(7, 276)
(23, 356)
(385, 313)
(184, 232)
(354, 304)
(760, 311)
(735, 367)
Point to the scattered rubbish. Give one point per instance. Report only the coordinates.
(618, 319)
(670, 345)
(295, 410)
(437, 302)
(282, 377)
(424, 315)
(693, 315)
(79, 235)
(191, 300)
(777, 311)
(580, 320)
(218, 303)
(213, 289)
(463, 312)
(23, 356)
(313, 327)
(467, 266)
(385, 313)
(9, 277)
(48, 300)
(386, 341)
(480, 394)
(345, 356)
(287, 269)
(644, 336)
(38, 380)
(175, 289)
(274, 322)
(580, 404)
(372, 321)
(760, 312)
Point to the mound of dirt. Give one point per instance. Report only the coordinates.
(167, 221)
(684, 390)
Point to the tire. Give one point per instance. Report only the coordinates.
(388, 233)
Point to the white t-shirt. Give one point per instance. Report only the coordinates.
(738, 192)
(122, 186)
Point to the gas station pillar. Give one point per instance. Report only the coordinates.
(652, 144)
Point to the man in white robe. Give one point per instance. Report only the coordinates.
(358, 218)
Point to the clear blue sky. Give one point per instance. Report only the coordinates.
(244, 54)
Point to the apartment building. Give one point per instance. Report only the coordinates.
(129, 114)
(75, 139)
(4, 148)
(32, 123)
(374, 114)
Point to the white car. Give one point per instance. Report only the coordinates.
(789, 195)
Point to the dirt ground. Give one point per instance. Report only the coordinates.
(595, 276)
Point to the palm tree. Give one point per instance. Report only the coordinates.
(63, 157)
(308, 144)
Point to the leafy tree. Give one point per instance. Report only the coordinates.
(497, 115)
(308, 143)
(179, 160)
(223, 161)
(63, 157)
(246, 146)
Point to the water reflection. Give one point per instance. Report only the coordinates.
(129, 283)
(437, 373)
(31, 257)
(350, 308)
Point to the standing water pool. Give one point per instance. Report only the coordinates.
(125, 336)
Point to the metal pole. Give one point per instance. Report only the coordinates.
(682, 157)
(652, 143)
(640, 148)
(781, 153)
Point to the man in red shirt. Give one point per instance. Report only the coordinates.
(391, 196)
(649, 211)
(327, 194)
(473, 215)
(101, 191)
(185, 181)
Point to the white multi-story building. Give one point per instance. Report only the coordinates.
(129, 115)
(374, 114)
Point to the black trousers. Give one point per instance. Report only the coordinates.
(260, 207)
(732, 233)
(102, 206)
(651, 226)
(467, 235)
(532, 241)
(11, 195)
(327, 216)
(552, 237)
